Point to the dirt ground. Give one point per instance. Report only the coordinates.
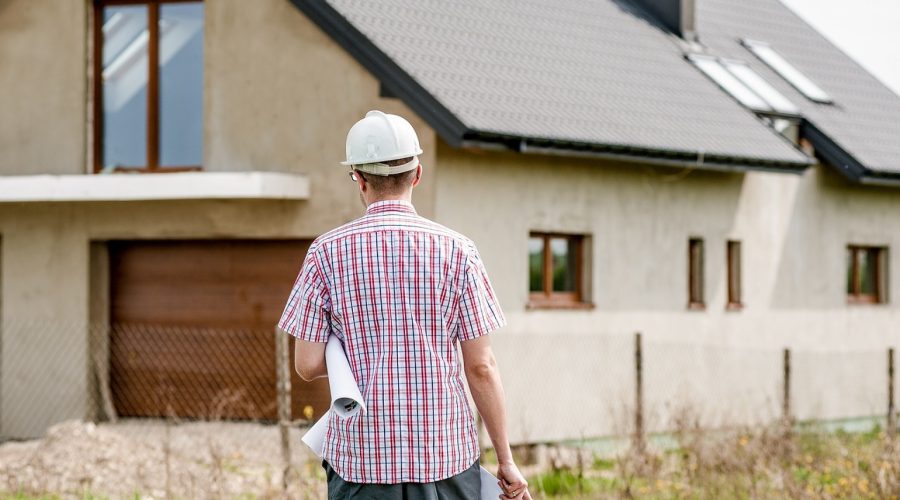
(150, 459)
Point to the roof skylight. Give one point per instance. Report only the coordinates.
(751, 79)
(780, 65)
(715, 71)
(742, 83)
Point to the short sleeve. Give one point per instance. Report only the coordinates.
(307, 314)
(479, 310)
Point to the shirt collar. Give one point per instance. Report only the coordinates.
(385, 206)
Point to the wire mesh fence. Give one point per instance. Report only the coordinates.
(193, 412)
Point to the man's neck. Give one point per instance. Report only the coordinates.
(407, 197)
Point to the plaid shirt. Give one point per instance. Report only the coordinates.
(399, 291)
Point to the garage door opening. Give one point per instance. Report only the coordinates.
(192, 329)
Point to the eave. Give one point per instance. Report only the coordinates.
(833, 155)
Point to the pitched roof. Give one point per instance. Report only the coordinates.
(860, 132)
(598, 77)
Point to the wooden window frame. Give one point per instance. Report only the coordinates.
(696, 276)
(854, 295)
(548, 299)
(734, 276)
(152, 165)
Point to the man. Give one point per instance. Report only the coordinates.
(400, 292)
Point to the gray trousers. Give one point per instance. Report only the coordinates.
(464, 486)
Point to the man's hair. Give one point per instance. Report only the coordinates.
(390, 184)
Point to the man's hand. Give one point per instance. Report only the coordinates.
(512, 482)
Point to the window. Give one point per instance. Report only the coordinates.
(866, 274)
(695, 274)
(733, 258)
(148, 85)
(744, 84)
(555, 270)
(773, 59)
(718, 74)
(756, 83)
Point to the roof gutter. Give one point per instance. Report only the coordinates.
(630, 154)
(892, 180)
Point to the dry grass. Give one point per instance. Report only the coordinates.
(765, 463)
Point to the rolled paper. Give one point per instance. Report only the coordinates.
(346, 399)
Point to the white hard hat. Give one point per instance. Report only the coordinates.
(378, 138)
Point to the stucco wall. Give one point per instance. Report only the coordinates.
(44, 360)
(724, 365)
(281, 95)
(42, 74)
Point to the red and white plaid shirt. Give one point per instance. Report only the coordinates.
(399, 291)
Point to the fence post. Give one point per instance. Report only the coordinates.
(283, 361)
(638, 439)
(891, 418)
(786, 390)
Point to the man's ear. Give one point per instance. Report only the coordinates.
(361, 182)
(418, 175)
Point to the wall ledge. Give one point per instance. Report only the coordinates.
(161, 186)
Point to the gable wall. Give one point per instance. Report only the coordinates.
(42, 74)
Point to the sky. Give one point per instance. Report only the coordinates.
(867, 30)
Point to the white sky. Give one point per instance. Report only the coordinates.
(867, 30)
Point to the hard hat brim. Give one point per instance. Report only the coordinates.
(383, 169)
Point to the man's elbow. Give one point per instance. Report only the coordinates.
(309, 360)
(482, 370)
(307, 373)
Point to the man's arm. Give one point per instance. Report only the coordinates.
(306, 317)
(309, 359)
(487, 391)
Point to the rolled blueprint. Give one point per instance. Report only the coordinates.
(315, 436)
(347, 401)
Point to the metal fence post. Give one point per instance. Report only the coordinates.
(891, 418)
(638, 438)
(283, 361)
(786, 390)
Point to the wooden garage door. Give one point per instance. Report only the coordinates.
(193, 328)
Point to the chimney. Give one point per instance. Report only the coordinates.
(678, 16)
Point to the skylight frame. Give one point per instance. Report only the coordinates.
(774, 60)
(756, 83)
(731, 84)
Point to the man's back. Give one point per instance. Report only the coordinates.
(399, 291)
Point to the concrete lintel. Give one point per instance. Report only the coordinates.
(161, 186)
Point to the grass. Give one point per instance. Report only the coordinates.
(806, 462)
